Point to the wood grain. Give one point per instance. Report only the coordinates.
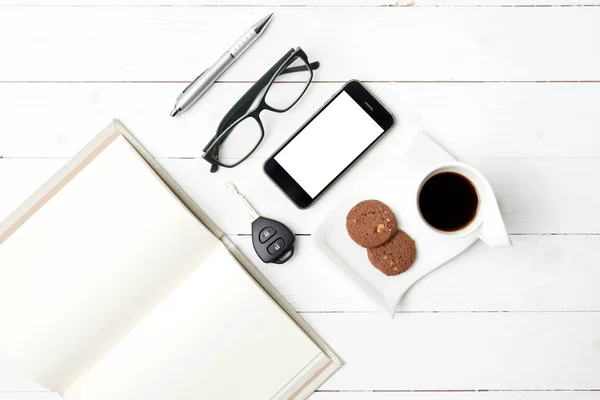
(519, 323)
(539, 274)
(337, 395)
(536, 196)
(457, 395)
(313, 3)
(419, 44)
(516, 120)
(463, 351)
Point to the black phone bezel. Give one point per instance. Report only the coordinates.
(369, 103)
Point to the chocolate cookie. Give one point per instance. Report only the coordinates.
(394, 257)
(371, 223)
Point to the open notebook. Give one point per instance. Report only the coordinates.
(114, 285)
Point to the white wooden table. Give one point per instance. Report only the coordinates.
(506, 85)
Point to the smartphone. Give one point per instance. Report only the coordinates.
(328, 144)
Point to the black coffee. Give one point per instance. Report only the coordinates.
(448, 201)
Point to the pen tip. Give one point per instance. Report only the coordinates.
(260, 25)
(175, 112)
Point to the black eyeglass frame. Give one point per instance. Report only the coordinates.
(241, 109)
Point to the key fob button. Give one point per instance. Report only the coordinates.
(276, 246)
(266, 234)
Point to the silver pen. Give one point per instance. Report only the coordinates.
(198, 86)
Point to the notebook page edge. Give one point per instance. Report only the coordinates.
(259, 279)
(95, 147)
(63, 177)
(244, 262)
(119, 130)
(53, 185)
(335, 362)
(168, 180)
(58, 180)
(301, 380)
(131, 353)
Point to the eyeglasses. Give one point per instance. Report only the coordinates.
(241, 130)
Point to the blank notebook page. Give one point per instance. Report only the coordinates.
(91, 262)
(217, 336)
(112, 289)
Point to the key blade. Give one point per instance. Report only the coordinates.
(251, 211)
(232, 188)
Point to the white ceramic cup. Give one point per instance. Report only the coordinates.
(480, 184)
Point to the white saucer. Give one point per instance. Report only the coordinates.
(433, 248)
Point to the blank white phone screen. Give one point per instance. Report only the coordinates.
(328, 144)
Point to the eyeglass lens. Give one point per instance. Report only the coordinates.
(238, 141)
(287, 88)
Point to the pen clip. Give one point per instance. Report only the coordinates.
(191, 83)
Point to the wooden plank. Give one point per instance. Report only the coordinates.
(470, 120)
(464, 395)
(297, 3)
(501, 351)
(538, 274)
(392, 44)
(536, 196)
(370, 395)
(505, 351)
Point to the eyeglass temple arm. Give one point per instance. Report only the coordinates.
(312, 66)
(248, 97)
(259, 86)
(239, 108)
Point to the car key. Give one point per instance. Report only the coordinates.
(272, 240)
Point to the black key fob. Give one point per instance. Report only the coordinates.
(272, 240)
